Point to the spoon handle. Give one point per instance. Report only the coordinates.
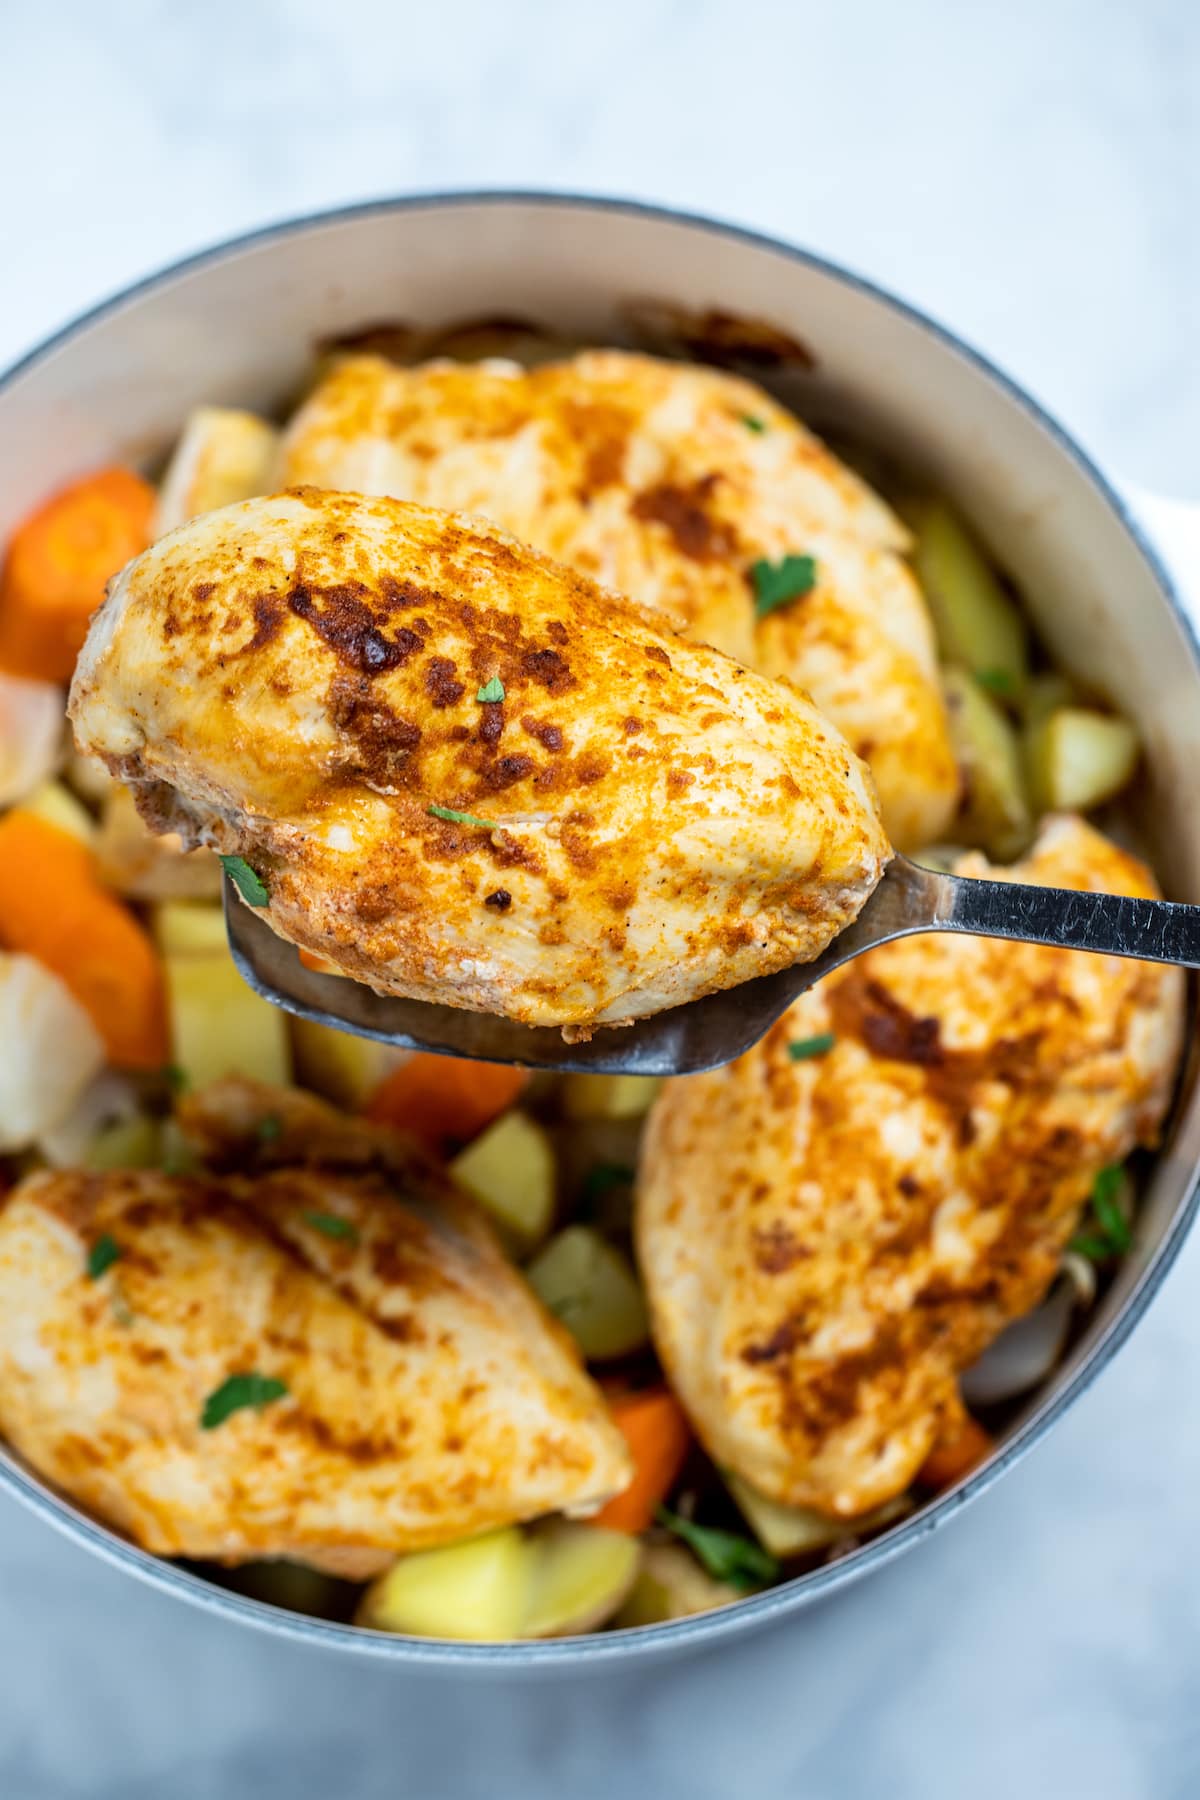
(1112, 924)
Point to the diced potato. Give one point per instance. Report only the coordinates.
(127, 1144)
(58, 806)
(670, 1584)
(589, 1285)
(609, 1096)
(185, 928)
(145, 866)
(579, 1576)
(1078, 758)
(995, 813)
(176, 1154)
(558, 1579)
(976, 622)
(32, 735)
(223, 455)
(1044, 695)
(478, 1589)
(797, 1530)
(219, 1026)
(49, 1051)
(346, 1069)
(510, 1170)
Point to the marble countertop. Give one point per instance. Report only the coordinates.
(1035, 180)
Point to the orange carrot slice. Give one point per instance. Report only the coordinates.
(657, 1432)
(444, 1099)
(53, 907)
(963, 1448)
(58, 561)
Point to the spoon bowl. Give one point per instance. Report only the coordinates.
(704, 1034)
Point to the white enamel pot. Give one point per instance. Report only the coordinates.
(238, 324)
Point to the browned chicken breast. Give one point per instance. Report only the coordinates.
(466, 774)
(828, 1241)
(426, 1396)
(668, 483)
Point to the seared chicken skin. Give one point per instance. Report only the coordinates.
(464, 773)
(667, 482)
(828, 1242)
(428, 1396)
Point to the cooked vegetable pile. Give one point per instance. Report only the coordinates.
(453, 1351)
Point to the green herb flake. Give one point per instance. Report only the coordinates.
(1112, 1235)
(461, 818)
(777, 584)
(237, 1392)
(1087, 1243)
(803, 1049)
(726, 1555)
(332, 1226)
(603, 1178)
(997, 681)
(758, 426)
(249, 884)
(269, 1128)
(491, 691)
(175, 1077)
(102, 1255)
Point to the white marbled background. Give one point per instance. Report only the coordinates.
(1029, 173)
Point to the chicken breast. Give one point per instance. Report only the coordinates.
(667, 482)
(464, 773)
(828, 1241)
(861, 642)
(427, 1396)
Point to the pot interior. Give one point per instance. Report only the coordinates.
(241, 326)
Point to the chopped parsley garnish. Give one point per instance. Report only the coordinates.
(491, 691)
(238, 1391)
(175, 1077)
(102, 1255)
(461, 818)
(249, 885)
(726, 1555)
(802, 1048)
(776, 584)
(997, 681)
(332, 1226)
(269, 1128)
(603, 1178)
(1111, 1236)
(753, 424)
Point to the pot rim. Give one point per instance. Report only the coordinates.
(703, 1629)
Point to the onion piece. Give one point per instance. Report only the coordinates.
(1082, 1276)
(32, 732)
(1024, 1354)
(58, 1052)
(109, 1100)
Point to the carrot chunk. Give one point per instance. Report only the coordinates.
(58, 561)
(963, 1448)
(53, 907)
(444, 1099)
(658, 1435)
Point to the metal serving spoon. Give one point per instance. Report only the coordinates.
(706, 1033)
